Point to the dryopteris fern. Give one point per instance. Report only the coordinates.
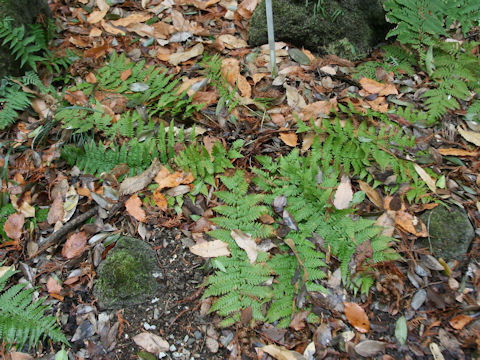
(308, 191)
(96, 159)
(22, 320)
(22, 45)
(356, 148)
(237, 283)
(13, 100)
(203, 166)
(421, 25)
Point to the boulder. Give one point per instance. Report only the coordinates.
(128, 276)
(346, 28)
(450, 230)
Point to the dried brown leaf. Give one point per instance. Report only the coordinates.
(75, 245)
(211, 249)
(13, 225)
(357, 317)
(134, 208)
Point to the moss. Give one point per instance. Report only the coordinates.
(361, 23)
(126, 276)
(451, 232)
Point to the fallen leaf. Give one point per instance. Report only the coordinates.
(53, 286)
(166, 179)
(457, 152)
(14, 225)
(180, 57)
(152, 343)
(131, 19)
(387, 221)
(231, 71)
(75, 245)
(136, 183)
(246, 7)
(232, 42)
(112, 29)
(369, 348)
(294, 99)
(425, 177)
(209, 249)
(357, 317)
(470, 136)
(411, 224)
(298, 321)
(375, 87)
(459, 322)
(318, 108)
(96, 16)
(134, 208)
(56, 211)
(289, 138)
(245, 242)
(281, 353)
(372, 194)
(344, 194)
(160, 200)
(15, 355)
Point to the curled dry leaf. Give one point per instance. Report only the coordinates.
(245, 242)
(357, 317)
(166, 179)
(152, 343)
(457, 152)
(411, 224)
(134, 208)
(75, 245)
(13, 226)
(160, 200)
(344, 194)
(210, 249)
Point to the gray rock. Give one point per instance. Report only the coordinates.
(125, 277)
(346, 28)
(451, 232)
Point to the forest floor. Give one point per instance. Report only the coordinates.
(419, 307)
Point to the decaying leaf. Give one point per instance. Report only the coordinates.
(53, 286)
(411, 224)
(425, 177)
(75, 245)
(152, 343)
(459, 321)
(211, 249)
(134, 208)
(470, 136)
(56, 211)
(281, 353)
(136, 183)
(357, 317)
(369, 348)
(289, 138)
(14, 225)
(245, 242)
(178, 58)
(372, 194)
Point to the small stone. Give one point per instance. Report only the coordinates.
(173, 348)
(198, 334)
(212, 345)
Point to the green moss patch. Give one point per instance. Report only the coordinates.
(128, 275)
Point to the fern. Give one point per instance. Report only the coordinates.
(23, 321)
(237, 283)
(13, 100)
(474, 111)
(196, 159)
(354, 149)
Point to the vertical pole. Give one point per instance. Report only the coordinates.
(271, 38)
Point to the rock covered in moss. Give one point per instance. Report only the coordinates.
(128, 275)
(346, 28)
(450, 230)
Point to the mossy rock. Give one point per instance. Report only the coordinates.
(24, 12)
(128, 276)
(450, 230)
(346, 28)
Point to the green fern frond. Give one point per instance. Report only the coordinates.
(22, 320)
(13, 100)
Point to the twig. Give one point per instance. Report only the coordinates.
(58, 235)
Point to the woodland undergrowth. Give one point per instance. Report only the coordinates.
(296, 189)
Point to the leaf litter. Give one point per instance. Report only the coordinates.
(419, 292)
